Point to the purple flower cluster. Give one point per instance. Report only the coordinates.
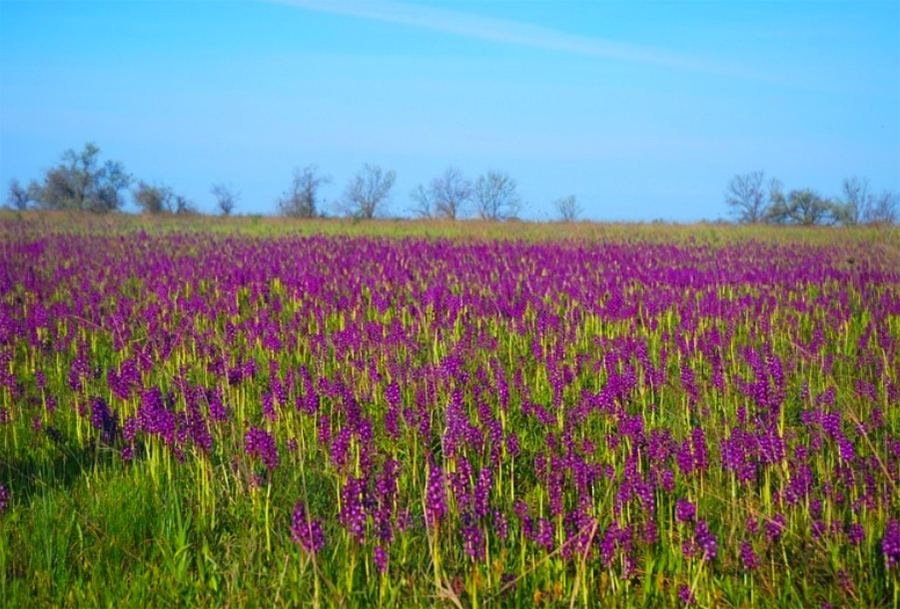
(436, 497)
(306, 531)
(261, 444)
(890, 544)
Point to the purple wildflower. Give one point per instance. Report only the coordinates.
(259, 443)
(436, 499)
(749, 559)
(856, 533)
(685, 511)
(686, 596)
(775, 527)
(706, 541)
(890, 543)
(381, 559)
(307, 532)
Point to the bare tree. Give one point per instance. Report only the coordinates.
(860, 205)
(856, 203)
(496, 197)
(884, 210)
(301, 199)
(423, 202)
(19, 197)
(226, 198)
(567, 208)
(747, 197)
(368, 191)
(450, 192)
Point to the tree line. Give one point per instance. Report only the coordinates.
(753, 200)
(82, 181)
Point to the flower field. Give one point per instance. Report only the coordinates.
(204, 419)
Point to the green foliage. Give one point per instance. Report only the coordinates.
(82, 183)
(804, 207)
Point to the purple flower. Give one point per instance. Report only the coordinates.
(856, 533)
(775, 527)
(103, 419)
(890, 543)
(352, 514)
(501, 525)
(473, 541)
(545, 534)
(685, 511)
(748, 558)
(436, 498)
(307, 532)
(381, 559)
(685, 595)
(4, 498)
(259, 443)
(706, 541)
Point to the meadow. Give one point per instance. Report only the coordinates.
(249, 412)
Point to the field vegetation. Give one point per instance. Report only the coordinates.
(201, 412)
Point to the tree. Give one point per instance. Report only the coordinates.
(747, 197)
(153, 199)
(160, 199)
(368, 191)
(445, 197)
(860, 205)
(19, 197)
(301, 199)
(184, 206)
(884, 210)
(496, 197)
(226, 198)
(81, 182)
(450, 193)
(804, 207)
(855, 202)
(423, 202)
(567, 208)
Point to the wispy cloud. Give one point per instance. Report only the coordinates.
(506, 31)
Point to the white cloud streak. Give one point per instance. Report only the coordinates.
(505, 31)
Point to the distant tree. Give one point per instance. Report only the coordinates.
(450, 192)
(803, 207)
(884, 210)
(226, 197)
(81, 182)
(184, 206)
(19, 197)
(301, 199)
(367, 192)
(567, 208)
(160, 199)
(153, 199)
(860, 205)
(747, 197)
(423, 202)
(854, 203)
(496, 197)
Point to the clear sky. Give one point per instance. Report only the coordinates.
(644, 110)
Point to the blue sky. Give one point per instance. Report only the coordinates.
(643, 110)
